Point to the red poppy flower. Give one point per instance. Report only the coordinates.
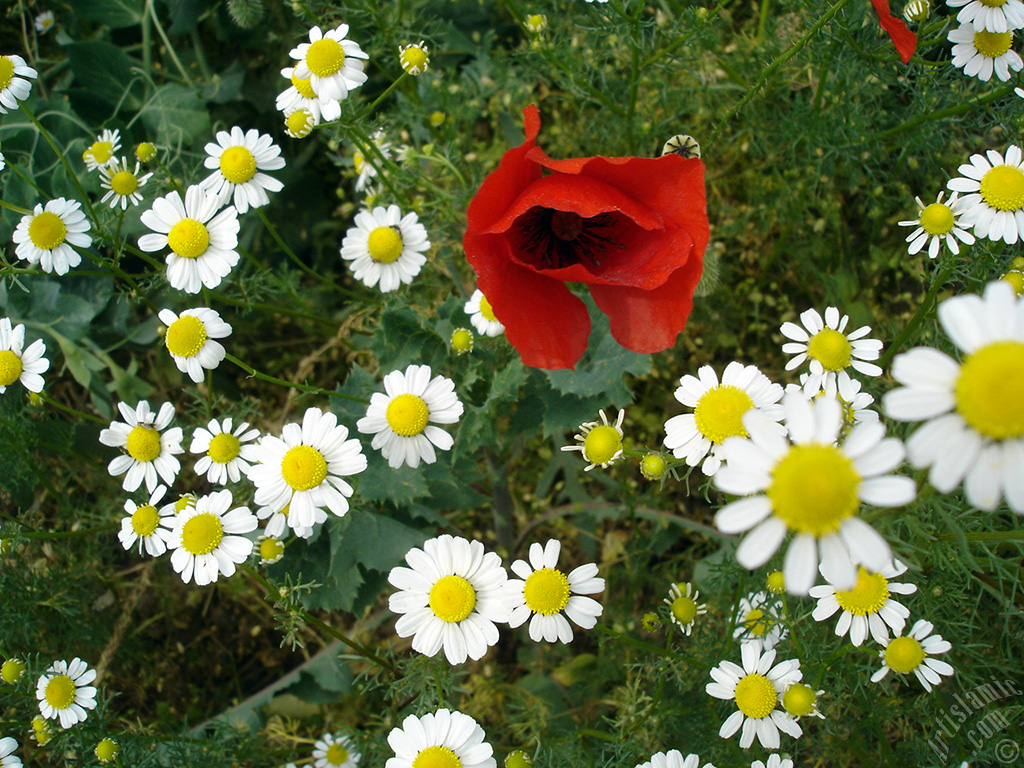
(634, 229)
(904, 40)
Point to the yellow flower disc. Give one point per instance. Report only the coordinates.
(384, 244)
(10, 367)
(487, 310)
(414, 60)
(546, 591)
(684, 609)
(1002, 187)
(124, 183)
(904, 654)
(814, 488)
(59, 691)
(325, 57)
(302, 85)
(407, 415)
(224, 448)
(186, 336)
(202, 533)
(757, 622)
(299, 124)
(145, 519)
(993, 3)
(101, 151)
(756, 697)
(799, 699)
(143, 443)
(830, 348)
(12, 669)
(867, 596)
(601, 444)
(988, 391)
(336, 754)
(237, 164)
(303, 467)
(145, 152)
(937, 219)
(452, 598)
(993, 44)
(436, 757)
(189, 239)
(719, 412)
(47, 230)
(272, 550)
(6, 71)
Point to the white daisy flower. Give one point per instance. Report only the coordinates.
(202, 241)
(333, 64)
(1019, 92)
(868, 607)
(546, 596)
(600, 443)
(673, 759)
(446, 739)
(774, 761)
(46, 236)
(278, 522)
(13, 85)
(994, 205)
(300, 95)
(481, 315)
(190, 340)
(44, 22)
(335, 751)
(238, 161)
(856, 403)
(122, 185)
(385, 247)
(802, 701)
(366, 167)
(451, 597)
(3, 162)
(813, 487)
(973, 411)
(756, 688)
(683, 607)
(205, 540)
(830, 350)
(149, 450)
(759, 620)
(299, 123)
(7, 757)
(64, 692)
(718, 411)
(937, 223)
(142, 524)
(18, 363)
(101, 153)
(980, 54)
(228, 456)
(401, 421)
(303, 468)
(990, 15)
(915, 653)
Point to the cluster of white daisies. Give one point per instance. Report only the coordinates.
(983, 43)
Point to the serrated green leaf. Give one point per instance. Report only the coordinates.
(602, 369)
(402, 340)
(103, 72)
(175, 115)
(382, 483)
(115, 14)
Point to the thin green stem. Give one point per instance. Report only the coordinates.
(70, 534)
(28, 180)
(64, 161)
(291, 384)
(72, 411)
(925, 307)
(762, 20)
(651, 648)
(985, 536)
(15, 208)
(939, 114)
(167, 44)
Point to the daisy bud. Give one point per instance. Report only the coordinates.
(299, 124)
(145, 152)
(414, 58)
(12, 669)
(437, 118)
(106, 750)
(651, 622)
(653, 466)
(518, 759)
(799, 699)
(776, 582)
(462, 340)
(536, 23)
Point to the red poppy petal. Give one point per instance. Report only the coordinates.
(649, 321)
(904, 40)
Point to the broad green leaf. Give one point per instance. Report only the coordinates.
(103, 72)
(382, 483)
(112, 13)
(175, 115)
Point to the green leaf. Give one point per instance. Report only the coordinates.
(403, 341)
(602, 368)
(225, 86)
(115, 14)
(382, 483)
(175, 115)
(103, 72)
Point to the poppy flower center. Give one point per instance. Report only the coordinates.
(124, 183)
(186, 336)
(562, 238)
(436, 757)
(303, 86)
(1002, 188)
(336, 754)
(202, 534)
(756, 697)
(10, 367)
(937, 219)
(830, 348)
(452, 598)
(602, 444)
(904, 654)
(189, 239)
(60, 691)
(224, 448)
(719, 411)
(6, 71)
(407, 415)
(143, 443)
(867, 596)
(988, 390)
(303, 467)
(325, 57)
(684, 609)
(814, 488)
(145, 520)
(993, 44)
(47, 230)
(799, 699)
(546, 591)
(237, 164)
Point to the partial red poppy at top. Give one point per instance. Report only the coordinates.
(904, 40)
(634, 229)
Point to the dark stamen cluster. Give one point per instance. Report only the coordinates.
(562, 238)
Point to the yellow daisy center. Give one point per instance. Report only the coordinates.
(237, 164)
(124, 183)
(546, 591)
(224, 448)
(143, 443)
(47, 230)
(6, 71)
(384, 244)
(100, 151)
(145, 519)
(189, 239)
(414, 59)
(937, 219)
(1015, 279)
(452, 598)
(303, 86)
(601, 444)
(756, 697)
(904, 654)
(358, 159)
(462, 340)
(299, 123)
(719, 411)
(867, 596)
(436, 757)
(487, 310)
(407, 415)
(202, 533)
(776, 581)
(653, 466)
(1002, 187)
(325, 57)
(303, 467)
(988, 392)
(830, 348)
(993, 44)
(993, 3)
(11, 670)
(106, 750)
(799, 699)
(684, 609)
(182, 502)
(186, 336)
(757, 622)
(272, 549)
(60, 692)
(10, 367)
(336, 754)
(814, 488)
(145, 151)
